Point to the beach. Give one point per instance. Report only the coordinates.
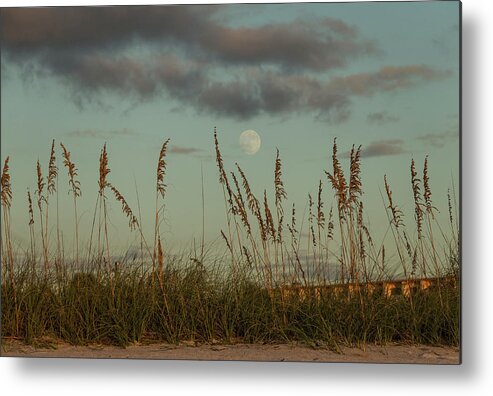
(394, 353)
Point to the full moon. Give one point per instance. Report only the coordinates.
(250, 142)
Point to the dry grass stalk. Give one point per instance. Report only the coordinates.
(40, 200)
(51, 188)
(6, 193)
(361, 228)
(449, 202)
(427, 189)
(269, 220)
(161, 169)
(227, 241)
(338, 180)
(223, 178)
(41, 184)
(253, 204)
(7, 253)
(76, 192)
(298, 268)
(31, 227)
(228, 199)
(30, 208)
(52, 170)
(104, 170)
(280, 195)
(279, 185)
(320, 207)
(330, 226)
(72, 172)
(133, 223)
(160, 191)
(160, 259)
(270, 232)
(240, 205)
(396, 212)
(418, 211)
(248, 257)
(429, 212)
(355, 175)
(311, 217)
(339, 185)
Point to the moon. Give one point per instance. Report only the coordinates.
(250, 142)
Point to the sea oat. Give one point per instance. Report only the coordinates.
(127, 211)
(161, 169)
(338, 180)
(253, 204)
(240, 205)
(268, 218)
(396, 212)
(279, 185)
(355, 175)
(41, 184)
(104, 170)
(330, 226)
(418, 211)
(227, 241)
(6, 193)
(311, 217)
(30, 207)
(72, 172)
(320, 205)
(52, 170)
(427, 189)
(449, 201)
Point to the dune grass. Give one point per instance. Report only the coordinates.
(247, 294)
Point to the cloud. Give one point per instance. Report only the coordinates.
(438, 140)
(314, 44)
(27, 30)
(317, 45)
(184, 150)
(381, 118)
(98, 134)
(330, 100)
(387, 79)
(251, 93)
(382, 148)
(275, 69)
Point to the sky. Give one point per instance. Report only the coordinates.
(383, 75)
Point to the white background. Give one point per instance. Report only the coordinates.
(474, 377)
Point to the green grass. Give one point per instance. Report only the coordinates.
(204, 306)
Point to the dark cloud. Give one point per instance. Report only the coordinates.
(274, 69)
(438, 140)
(28, 30)
(184, 150)
(330, 100)
(317, 45)
(382, 148)
(380, 118)
(256, 92)
(99, 134)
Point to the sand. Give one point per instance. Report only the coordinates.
(416, 354)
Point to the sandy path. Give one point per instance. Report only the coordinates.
(284, 352)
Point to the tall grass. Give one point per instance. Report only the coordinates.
(284, 276)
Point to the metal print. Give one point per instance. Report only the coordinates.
(269, 182)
